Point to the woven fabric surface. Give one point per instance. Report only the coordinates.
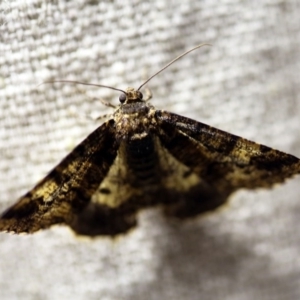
(246, 83)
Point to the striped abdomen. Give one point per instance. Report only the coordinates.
(142, 160)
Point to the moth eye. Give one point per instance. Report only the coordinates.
(122, 98)
(140, 95)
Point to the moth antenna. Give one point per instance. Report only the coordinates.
(84, 83)
(171, 62)
(115, 89)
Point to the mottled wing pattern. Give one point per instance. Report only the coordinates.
(68, 188)
(224, 161)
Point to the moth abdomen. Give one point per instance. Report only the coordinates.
(142, 160)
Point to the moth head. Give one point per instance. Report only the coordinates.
(130, 96)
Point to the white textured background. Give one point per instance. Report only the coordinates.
(248, 83)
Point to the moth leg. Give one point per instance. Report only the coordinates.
(148, 94)
(106, 103)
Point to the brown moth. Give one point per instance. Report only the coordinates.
(144, 157)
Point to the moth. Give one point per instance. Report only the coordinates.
(143, 157)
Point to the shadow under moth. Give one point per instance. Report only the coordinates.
(143, 157)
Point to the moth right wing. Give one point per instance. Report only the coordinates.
(68, 188)
(224, 161)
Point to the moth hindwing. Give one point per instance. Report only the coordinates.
(144, 157)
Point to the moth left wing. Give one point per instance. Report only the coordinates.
(68, 188)
(224, 161)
